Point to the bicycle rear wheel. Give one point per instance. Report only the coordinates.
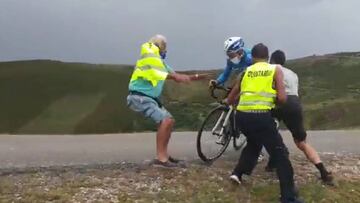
(210, 132)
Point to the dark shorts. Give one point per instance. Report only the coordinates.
(291, 114)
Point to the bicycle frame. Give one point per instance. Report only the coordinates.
(226, 121)
(220, 129)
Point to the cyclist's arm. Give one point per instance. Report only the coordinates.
(224, 76)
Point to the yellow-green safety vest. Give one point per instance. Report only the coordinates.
(257, 92)
(150, 66)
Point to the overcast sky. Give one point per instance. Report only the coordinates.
(111, 31)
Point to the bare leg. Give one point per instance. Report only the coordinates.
(309, 151)
(313, 156)
(162, 139)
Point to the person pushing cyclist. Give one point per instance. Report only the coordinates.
(292, 116)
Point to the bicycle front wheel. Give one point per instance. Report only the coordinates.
(213, 138)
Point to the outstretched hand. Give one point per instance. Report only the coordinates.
(199, 76)
(183, 78)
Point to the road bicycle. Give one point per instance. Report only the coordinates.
(218, 128)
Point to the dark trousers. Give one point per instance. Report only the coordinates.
(260, 130)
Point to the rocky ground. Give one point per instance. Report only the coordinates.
(127, 182)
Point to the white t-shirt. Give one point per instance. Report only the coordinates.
(291, 81)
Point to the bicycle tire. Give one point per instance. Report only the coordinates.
(200, 146)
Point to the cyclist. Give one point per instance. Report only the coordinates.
(260, 87)
(238, 59)
(291, 114)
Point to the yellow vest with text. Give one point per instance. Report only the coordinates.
(150, 66)
(257, 92)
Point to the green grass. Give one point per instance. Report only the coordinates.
(348, 192)
(195, 184)
(44, 96)
(59, 118)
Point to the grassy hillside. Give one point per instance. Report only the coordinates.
(56, 97)
(43, 96)
(330, 89)
(53, 97)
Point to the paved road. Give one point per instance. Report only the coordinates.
(56, 150)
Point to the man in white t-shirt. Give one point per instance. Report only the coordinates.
(292, 115)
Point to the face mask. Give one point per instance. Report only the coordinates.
(235, 60)
(163, 55)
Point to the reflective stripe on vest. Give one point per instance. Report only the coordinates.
(257, 91)
(148, 55)
(150, 67)
(263, 94)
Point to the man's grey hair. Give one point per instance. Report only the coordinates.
(159, 40)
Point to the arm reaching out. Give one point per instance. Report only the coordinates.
(180, 78)
(183, 78)
(199, 76)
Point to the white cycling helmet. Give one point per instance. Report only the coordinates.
(233, 44)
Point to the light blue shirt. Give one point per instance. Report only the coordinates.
(145, 87)
(245, 62)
